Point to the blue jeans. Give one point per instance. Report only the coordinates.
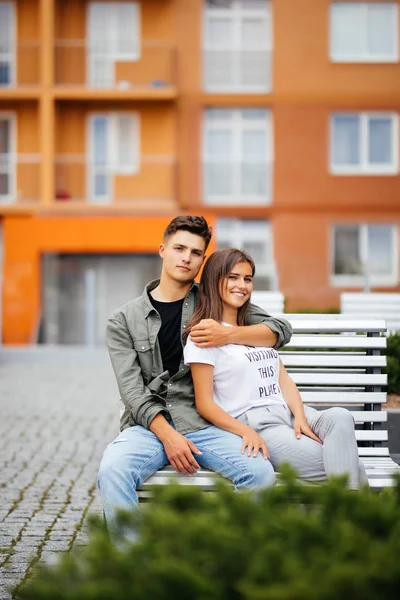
(137, 453)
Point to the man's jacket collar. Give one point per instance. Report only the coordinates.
(147, 305)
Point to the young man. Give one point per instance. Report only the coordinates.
(160, 424)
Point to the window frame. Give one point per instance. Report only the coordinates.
(237, 239)
(13, 47)
(112, 152)
(367, 57)
(358, 280)
(11, 198)
(236, 199)
(111, 54)
(366, 168)
(236, 13)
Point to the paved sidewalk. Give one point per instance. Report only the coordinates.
(58, 411)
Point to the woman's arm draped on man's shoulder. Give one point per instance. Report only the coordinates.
(137, 397)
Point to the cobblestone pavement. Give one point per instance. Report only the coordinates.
(58, 411)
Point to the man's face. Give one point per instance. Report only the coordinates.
(183, 254)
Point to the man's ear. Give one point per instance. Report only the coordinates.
(161, 250)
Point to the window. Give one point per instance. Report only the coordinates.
(365, 250)
(364, 143)
(114, 36)
(237, 157)
(237, 46)
(114, 149)
(7, 49)
(364, 32)
(7, 160)
(255, 238)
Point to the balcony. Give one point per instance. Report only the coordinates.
(150, 184)
(19, 67)
(152, 73)
(19, 179)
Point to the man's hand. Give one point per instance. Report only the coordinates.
(180, 452)
(208, 334)
(301, 426)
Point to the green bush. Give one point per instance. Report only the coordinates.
(393, 363)
(291, 542)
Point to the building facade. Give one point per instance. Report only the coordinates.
(276, 119)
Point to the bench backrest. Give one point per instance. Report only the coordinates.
(339, 361)
(271, 302)
(373, 305)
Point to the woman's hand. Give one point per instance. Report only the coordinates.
(301, 426)
(254, 443)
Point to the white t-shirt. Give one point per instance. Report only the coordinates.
(244, 376)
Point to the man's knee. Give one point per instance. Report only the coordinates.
(115, 468)
(260, 473)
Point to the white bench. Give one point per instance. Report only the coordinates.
(271, 302)
(373, 305)
(335, 362)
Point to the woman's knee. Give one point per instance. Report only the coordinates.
(341, 417)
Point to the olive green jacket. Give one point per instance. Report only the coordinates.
(145, 388)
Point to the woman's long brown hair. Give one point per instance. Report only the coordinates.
(215, 272)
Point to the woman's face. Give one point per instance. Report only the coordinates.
(237, 286)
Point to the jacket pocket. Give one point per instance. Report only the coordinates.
(145, 357)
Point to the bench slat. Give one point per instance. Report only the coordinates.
(335, 398)
(336, 341)
(352, 379)
(314, 359)
(335, 323)
(377, 452)
(365, 435)
(378, 471)
(368, 416)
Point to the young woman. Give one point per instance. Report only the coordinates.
(248, 391)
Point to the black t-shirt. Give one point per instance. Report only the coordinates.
(169, 336)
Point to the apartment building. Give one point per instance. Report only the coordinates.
(276, 119)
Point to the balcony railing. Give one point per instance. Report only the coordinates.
(20, 66)
(81, 180)
(77, 63)
(19, 178)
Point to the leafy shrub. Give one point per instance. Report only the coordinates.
(293, 541)
(393, 363)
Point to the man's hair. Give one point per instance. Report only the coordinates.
(196, 225)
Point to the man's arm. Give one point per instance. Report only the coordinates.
(145, 408)
(262, 330)
(137, 398)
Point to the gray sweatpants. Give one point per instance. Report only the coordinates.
(337, 455)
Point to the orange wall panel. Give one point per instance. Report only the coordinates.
(188, 32)
(157, 175)
(302, 248)
(302, 176)
(301, 61)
